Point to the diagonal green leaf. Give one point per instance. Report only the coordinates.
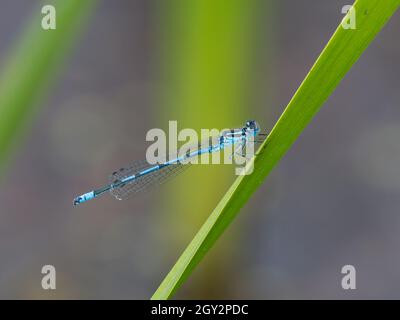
(27, 72)
(339, 55)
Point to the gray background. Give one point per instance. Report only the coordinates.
(333, 200)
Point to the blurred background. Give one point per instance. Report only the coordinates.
(76, 103)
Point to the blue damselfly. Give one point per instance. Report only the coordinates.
(141, 175)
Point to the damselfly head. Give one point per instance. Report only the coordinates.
(253, 125)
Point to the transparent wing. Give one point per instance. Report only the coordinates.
(258, 141)
(145, 182)
(247, 148)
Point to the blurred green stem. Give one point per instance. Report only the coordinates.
(207, 66)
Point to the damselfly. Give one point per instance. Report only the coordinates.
(141, 175)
